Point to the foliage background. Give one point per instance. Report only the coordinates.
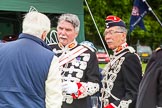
(122, 8)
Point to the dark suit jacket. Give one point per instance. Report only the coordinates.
(150, 90)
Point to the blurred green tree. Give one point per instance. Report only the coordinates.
(122, 8)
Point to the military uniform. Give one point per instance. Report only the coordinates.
(150, 90)
(121, 78)
(80, 68)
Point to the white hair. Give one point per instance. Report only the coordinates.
(123, 29)
(71, 18)
(36, 23)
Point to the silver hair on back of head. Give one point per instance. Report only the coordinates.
(71, 18)
(123, 29)
(35, 23)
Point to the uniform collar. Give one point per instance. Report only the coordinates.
(34, 38)
(69, 46)
(120, 48)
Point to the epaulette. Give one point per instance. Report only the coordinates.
(131, 49)
(86, 46)
(158, 49)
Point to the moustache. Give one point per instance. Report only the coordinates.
(63, 36)
(109, 41)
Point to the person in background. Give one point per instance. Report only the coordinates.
(150, 89)
(78, 63)
(122, 75)
(29, 68)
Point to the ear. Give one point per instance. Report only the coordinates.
(44, 34)
(76, 34)
(124, 35)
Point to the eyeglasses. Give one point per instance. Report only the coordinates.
(111, 32)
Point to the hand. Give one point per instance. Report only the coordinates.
(69, 87)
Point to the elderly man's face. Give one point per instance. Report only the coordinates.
(114, 37)
(66, 32)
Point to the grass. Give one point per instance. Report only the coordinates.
(143, 66)
(102, 66)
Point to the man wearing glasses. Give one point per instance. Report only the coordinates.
(122, 75)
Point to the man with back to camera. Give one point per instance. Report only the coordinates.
(122, 75)
(78, 63)
(29, 69)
